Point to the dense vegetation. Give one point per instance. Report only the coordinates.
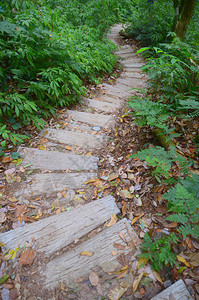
(170, 108)
(49, 50)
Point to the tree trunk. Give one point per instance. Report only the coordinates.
(183, 12)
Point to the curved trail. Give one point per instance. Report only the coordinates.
(59, 167)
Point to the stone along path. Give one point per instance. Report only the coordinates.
(57, 169)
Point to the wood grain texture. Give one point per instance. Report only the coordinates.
(106, 107)
(48, 183)
(92, 119)
(55, 232)
(72, 265)
(54, 160)
(176, 291)
(82, 140)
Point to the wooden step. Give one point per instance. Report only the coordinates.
(176, 291)
(127, 74)
(71, 265)
(92, 119)
(54, 160)
(115, 91)
(103, 106)
(129, 64)
(124, 49)
(55, 232)
(112, 99)
(49, 183)
(132, 82)
(83, 140)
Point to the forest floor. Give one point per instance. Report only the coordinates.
(80, 164)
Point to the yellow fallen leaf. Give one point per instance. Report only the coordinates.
(121, 270)
(38, 215)
(1, 244)
(89, 154)
(42, 147)
(117, 293)
(12, 254)
(142, 261)
(68, 148)
(58, 211)
(91, 180)
(157, 276)
(112, 221)
(122, 274)
(136, 218)
(64, 193)
(184, 261)
(137, 282)
(13, 199)
(114, 252)
(86, 253)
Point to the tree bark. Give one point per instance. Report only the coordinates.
(183, 12)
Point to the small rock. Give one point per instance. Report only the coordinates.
(167, 283)
(5, 294)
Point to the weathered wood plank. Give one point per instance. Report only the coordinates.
(54, 160)
(128, 64)
(72, 265)
(48, 183)
(55, 232)
(103, 106)
(115, 91)
(132, 82)
(92, 119)
(127, 74)
(82, 140)
(176, 291)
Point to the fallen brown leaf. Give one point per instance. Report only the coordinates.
(7, 159)
(119, 246)
(94, 279)
(157, 276)
(112, 221)
(184, 261)
(117, 293)
(86, 253)
(122, 236)
(136, 218)
(2, 217)
(99, 289)
(27, 257)
(113, 176)
(125, 194)
(137, 282)
(124, 209)
(122, 274)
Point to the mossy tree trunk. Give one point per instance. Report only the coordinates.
(183, 12)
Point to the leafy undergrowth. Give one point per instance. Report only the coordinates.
(163, 207)
(49, 51)
(170, 108)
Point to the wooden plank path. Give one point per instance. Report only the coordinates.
(72, 264)
(55, 171)
(176, 291)
(56, 232)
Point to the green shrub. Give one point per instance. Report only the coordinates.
(183, 201)
(49, 50)
(151, 23)
(159, 250)
(161, 161)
